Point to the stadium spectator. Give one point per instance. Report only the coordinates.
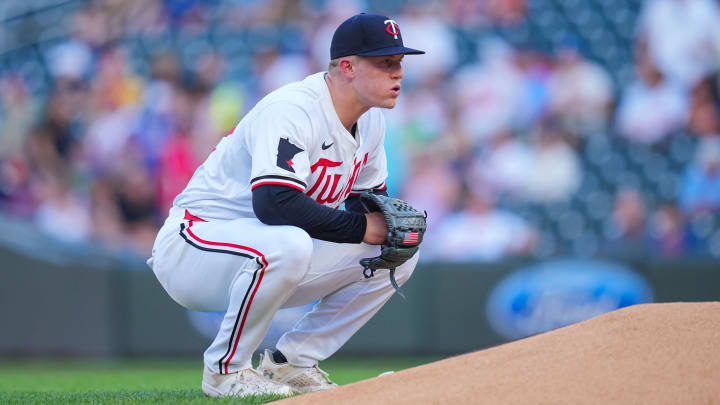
(467, 15)
(581, 92)
(705, 106)
(505, 12)
(328, 19)
(276, 70)
(61, 213)
(627, 229)
(18, 111)
(136, 198)
(178, 158)
(683, 37)
(115, 95)
(504, 164)
(156, 119)
(16, 193)
(218, 103)
(421, 117)
(105, 217)
(652, 106)
(668, 231)
(70, 60)
(700, 189)
(555, 172)
(426, 20)
(433, 185)
(489, 95)
(98, 24)
(537, 71)
(55, 143)
(481, 231)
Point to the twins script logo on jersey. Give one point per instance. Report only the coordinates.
(329, 193)
(392, 28)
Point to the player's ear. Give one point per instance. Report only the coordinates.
(347, 67)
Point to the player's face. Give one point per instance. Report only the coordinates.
(377, 80)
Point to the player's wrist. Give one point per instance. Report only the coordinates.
(363, 225)
(376, 230)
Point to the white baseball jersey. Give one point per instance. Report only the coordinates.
(292, 137)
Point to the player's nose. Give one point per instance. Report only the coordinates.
(398, 73)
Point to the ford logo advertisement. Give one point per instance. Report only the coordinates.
(557, 293)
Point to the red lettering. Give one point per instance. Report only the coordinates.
(324, 163)
(330, 198)
(325, 196)
(348, 187)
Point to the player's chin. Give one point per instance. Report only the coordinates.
(388, 103)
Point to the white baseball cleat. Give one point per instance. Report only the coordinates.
(244, 382)
(300, 379)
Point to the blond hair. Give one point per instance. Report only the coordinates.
(333, 64)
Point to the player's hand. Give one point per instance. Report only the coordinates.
(376, 230)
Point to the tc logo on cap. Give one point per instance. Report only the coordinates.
(392, 28)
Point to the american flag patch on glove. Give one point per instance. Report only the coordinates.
(411, 238)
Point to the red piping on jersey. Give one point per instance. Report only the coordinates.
(192, 217)
(275, 183)
(247, 308)
(232, 245)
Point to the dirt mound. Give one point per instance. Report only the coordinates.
(655, 353)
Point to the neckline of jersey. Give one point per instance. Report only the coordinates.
(327, 103)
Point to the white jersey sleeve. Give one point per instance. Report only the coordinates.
(374, 172)
(278, 141)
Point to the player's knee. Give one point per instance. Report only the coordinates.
(405, 270)
(295, 248)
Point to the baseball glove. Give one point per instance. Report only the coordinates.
(406, 227)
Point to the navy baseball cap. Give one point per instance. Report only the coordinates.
(368, 35)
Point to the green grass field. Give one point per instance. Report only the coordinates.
(149, 381)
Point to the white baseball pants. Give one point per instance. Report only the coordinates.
(250, 270)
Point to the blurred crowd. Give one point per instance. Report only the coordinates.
(513, 149)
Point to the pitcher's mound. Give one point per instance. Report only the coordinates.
(649, 354)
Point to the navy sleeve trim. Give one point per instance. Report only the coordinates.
(275, 180)
(374, 189)
(277, 177)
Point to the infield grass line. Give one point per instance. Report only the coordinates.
(129, 397)
(142, 381)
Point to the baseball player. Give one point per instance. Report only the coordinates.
(259, 228)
